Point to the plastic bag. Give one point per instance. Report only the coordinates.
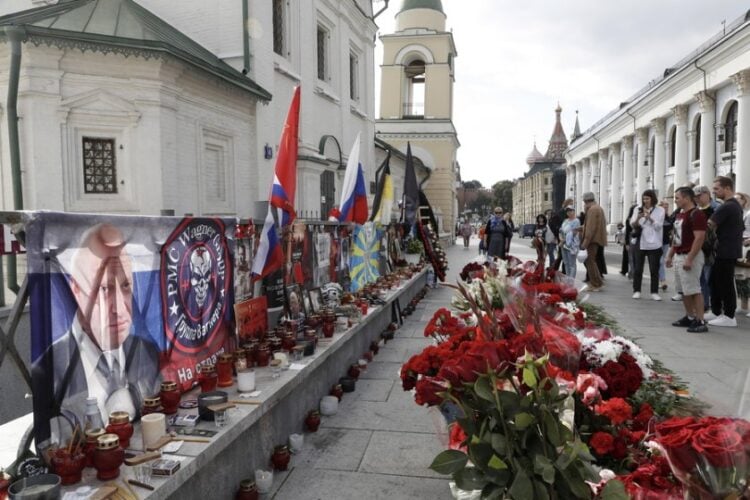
(582, 255)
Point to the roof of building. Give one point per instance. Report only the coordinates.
(422, 4)
(558, 143)
(576, 129)
(122, 26)
(534, 156)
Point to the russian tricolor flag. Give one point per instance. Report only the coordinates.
(269, 256)
(353, 192)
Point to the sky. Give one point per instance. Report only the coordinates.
(517, 60)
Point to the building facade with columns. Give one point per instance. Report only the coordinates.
(542, 187)
(687, 126)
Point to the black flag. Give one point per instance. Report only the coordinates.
(411, 189)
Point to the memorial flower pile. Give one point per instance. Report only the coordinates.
(543, 402)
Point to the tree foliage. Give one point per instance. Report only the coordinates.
(502, 195)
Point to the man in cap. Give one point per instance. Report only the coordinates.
(594, 237)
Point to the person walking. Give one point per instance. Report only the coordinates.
(594, 237)
(495, 233)
(686, 255)
(481, 234)
(570, 233)
(650, 219)
(628, 249)
(555, 223)
(727, 222)
(508, 217)
(466, 231)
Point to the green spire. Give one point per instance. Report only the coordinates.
(422, 4)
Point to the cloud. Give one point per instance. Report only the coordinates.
(516, 60)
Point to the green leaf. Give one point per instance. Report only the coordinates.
(510, 402)
(499, 444)
(540, 491)
(614, 490)
(480, 453)
(524, 420)
(576, 484)
(496, 463)
(449, 462)
(551, 428)
(470, 478)
(483, 389)
(493, 492)
(529, 377)
(543, 467)
(521, 489)
(467, 425)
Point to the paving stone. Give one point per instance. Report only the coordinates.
(381, 370)
(308, 484)
(401, 453)
(371, 415)
(334, 449)
(371, 390)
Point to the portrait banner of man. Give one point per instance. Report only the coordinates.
(109, 296)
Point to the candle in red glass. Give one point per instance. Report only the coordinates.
(119, 423)
(5, 482)
(329, 325)
(92, 435)
(275, 344)
(288, 342)
(281, 457)
(68, 464)
(170, 397)
(250, 349)
(248, 490)
(224, 369)
(240, 360)
(207, 378)
(108, 457)
(263, 356)
(354, 371)
(312, 421)
(337, 391)
(374, 347)
(151, 405)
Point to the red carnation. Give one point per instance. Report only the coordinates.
(602, 443)
(428, 391)
(617, 410)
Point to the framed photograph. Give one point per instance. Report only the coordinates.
(314, 296)
(295, 303)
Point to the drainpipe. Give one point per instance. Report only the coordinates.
(16, 35)
(245, 37)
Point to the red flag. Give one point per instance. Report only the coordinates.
(285, 177)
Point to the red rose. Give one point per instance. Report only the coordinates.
(673, 424)
(619, 449)
(617, 410)
(677, 444)
(457, 372)
(645, 414)
(721, 445)
(602, 443)
(428, 391)
(408, 382)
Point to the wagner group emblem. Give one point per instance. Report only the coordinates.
(195, 276)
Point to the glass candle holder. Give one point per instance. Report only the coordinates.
(264, 480)
(295, 442)
(281, 457)
(151, 405)
(92, 435)
(68, 465)
(108, 457)
(263, 355)
(208, 378)
(224, 370)
(119, 423)
(246, 380)
(170, 397)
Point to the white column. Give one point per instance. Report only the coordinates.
(680, 149)
(708, 139)
(579, 185)
(586, 177)
(627, 173)
(616, 214)
(595, 175)
(640, 163)
(659, 158)
(604, 181)
(742, 181)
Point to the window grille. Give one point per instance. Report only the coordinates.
(730, 129)
(353, 80)
(278, 26)
(697, 145)
(99, 166)
(322, 38)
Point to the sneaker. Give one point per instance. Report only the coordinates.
(709, 316)
(655, 296)
(637, 295)
(683, 322)
(677, 298)
(724, 321)
(697, 327)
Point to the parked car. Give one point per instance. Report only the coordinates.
(527, 230)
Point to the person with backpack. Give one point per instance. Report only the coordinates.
(707, 205)
(727, 222)
(686, 255)
(649, 218)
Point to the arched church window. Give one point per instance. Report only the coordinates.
(730, 129)
(697, 141)
(415, 90)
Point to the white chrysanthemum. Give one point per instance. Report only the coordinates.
(607, 351)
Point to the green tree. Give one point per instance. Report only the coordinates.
(472, 184)
(482, 203)
(502, 195)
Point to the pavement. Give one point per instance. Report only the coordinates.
(380, 443)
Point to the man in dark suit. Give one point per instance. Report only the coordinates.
(98, 357)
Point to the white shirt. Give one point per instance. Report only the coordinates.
(96, 381)
(652, 230)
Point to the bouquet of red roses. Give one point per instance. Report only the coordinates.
(709, 455)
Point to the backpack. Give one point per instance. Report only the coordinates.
(710, 242)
